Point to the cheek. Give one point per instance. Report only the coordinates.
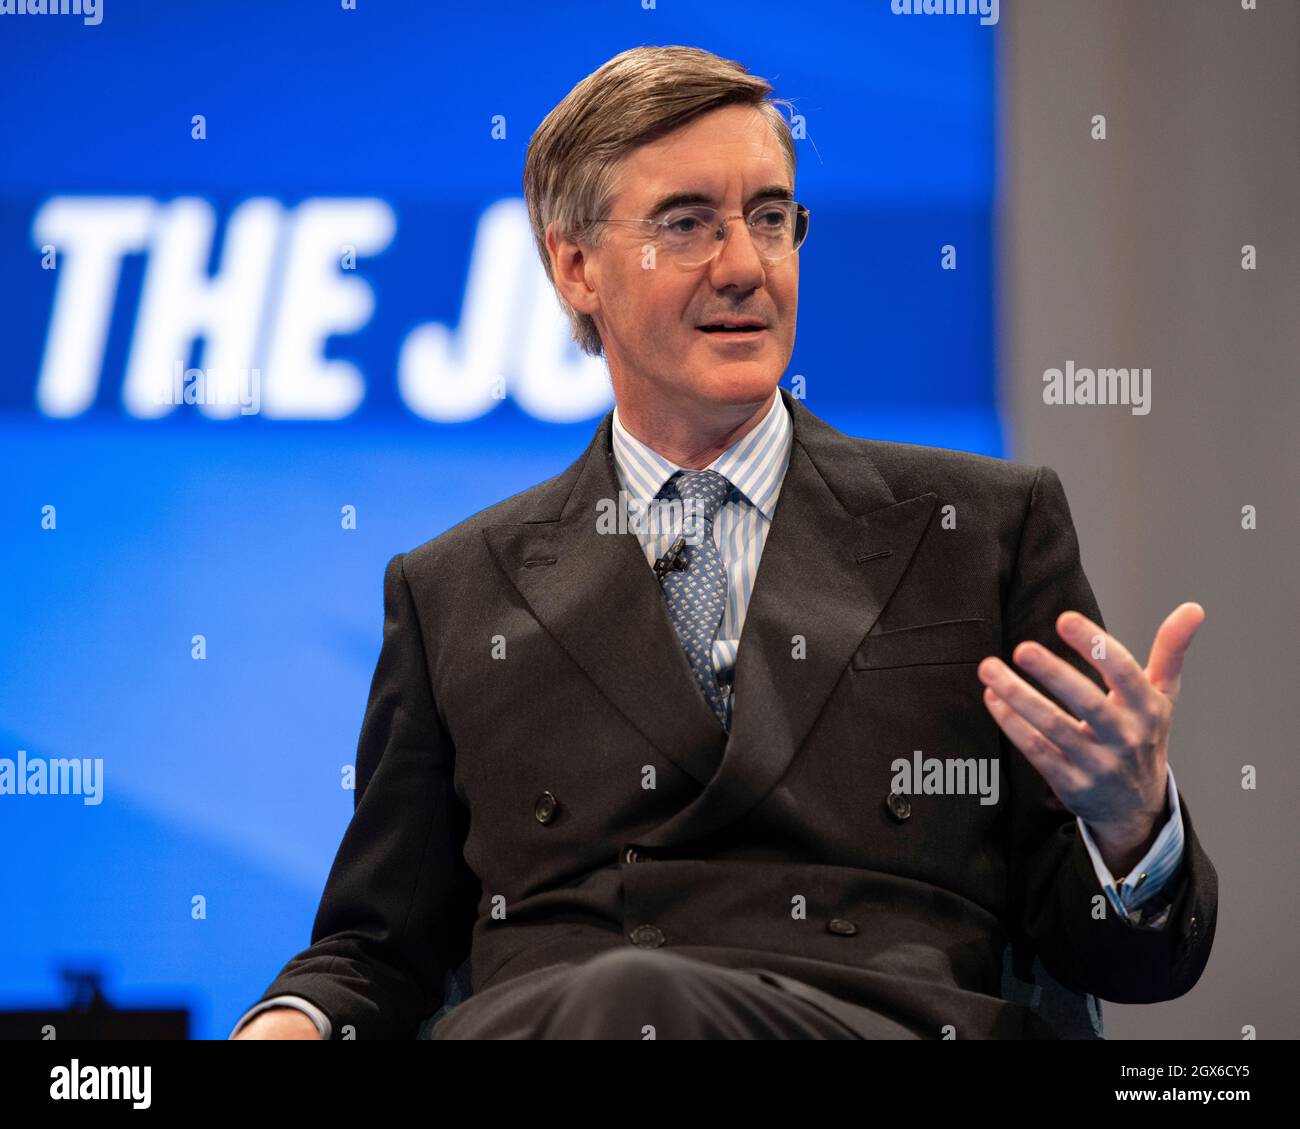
(668, 302)
(653, 301)
(788, 295)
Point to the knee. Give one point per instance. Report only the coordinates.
(630, 974)
(626, 990)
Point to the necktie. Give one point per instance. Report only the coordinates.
(697, 595)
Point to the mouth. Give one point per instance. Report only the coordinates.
(740, 329)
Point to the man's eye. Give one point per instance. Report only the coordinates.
(683, 226)
(773, 218)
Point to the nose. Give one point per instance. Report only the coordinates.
(737, 263)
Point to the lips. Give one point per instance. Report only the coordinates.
(732, 327)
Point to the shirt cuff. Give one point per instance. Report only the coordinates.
(318, 1017)
(1145, 880)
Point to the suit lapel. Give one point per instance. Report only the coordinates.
(838, 546)
(601, 602)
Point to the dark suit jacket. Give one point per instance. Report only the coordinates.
(497, 797)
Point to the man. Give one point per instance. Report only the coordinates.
(637, 820)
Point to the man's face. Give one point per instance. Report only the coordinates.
(649, 319)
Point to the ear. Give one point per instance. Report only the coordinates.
(571, 266)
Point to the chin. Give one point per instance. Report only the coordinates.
(738, 382)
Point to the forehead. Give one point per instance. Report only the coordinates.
(713, 155)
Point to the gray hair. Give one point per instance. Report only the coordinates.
(636, 97)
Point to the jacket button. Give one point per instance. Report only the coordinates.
(646, 937)
(900, 807)
(546, 807)
(840, 926)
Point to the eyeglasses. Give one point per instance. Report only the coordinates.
(692, 236)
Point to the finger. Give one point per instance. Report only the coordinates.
(1064, 778)
(1118, 668)
(1173, 638)
(1076, 691)
(1064, 731)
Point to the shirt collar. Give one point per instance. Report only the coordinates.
(755, 464)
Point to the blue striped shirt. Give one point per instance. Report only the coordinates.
(755, 465)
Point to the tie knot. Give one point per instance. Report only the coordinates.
(706, 489)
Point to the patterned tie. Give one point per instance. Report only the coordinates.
(697, 595)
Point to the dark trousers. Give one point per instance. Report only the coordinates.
(652, 993)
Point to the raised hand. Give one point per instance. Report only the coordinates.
(1107, 765)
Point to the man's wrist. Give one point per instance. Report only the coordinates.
(1123, 845)
(293, 1003)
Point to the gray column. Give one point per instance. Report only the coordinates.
(1127, 252)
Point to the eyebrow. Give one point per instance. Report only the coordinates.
(680, 199)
